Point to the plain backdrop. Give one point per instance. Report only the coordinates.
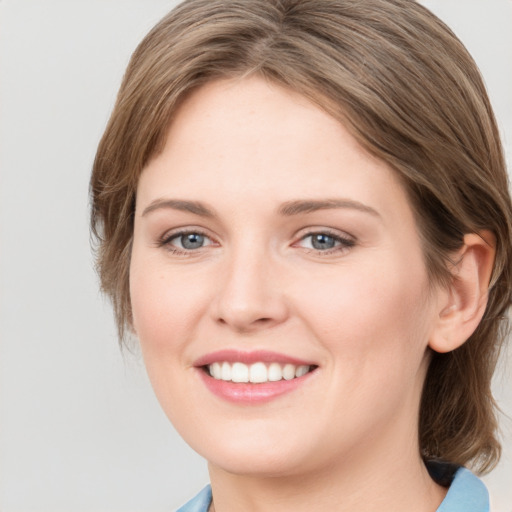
(80, 429)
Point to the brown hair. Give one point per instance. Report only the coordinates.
(410, 93)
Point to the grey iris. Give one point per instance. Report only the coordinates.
(192, 241)
(322, 241)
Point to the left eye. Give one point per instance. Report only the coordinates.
(325, 242)
(189, 241)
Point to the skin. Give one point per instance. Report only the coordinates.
(364, 312)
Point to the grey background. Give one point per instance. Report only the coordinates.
(80, 429)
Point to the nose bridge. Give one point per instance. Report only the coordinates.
(249, 295)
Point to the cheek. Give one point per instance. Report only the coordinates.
(165, 317)
(165, 306)
(380, 311)
(375, 325)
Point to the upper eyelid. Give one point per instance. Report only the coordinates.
(175, 232)
(329, 234)
(314, 230)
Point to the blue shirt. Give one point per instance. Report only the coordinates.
(467, 493)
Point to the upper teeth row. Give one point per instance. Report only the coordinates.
(257, 372)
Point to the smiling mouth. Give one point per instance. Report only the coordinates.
(256, 373)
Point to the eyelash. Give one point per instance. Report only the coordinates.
(344, 242)
(167, 238)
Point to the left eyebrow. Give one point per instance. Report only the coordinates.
(310, 205)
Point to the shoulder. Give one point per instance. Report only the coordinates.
(200, 503)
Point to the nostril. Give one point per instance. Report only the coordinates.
(263, 320)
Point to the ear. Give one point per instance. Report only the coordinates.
(463, 303)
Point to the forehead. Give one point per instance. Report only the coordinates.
(227, 118)
(254, 143)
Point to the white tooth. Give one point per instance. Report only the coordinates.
(216, 371)
(226, 371)
(274, 372)
(301, 370)
(240, 372)
(289, 371)
(258, 373)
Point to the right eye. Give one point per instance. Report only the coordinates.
(185, 241)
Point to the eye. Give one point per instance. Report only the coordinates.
(322, 241)
(190, 241)
(185, 241)
(326, 242)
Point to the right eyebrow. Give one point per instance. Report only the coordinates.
(194, 207)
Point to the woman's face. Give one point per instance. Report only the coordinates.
(268, 244)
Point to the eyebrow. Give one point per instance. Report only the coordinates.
(287, 209)
(194, 207)
(310, 205)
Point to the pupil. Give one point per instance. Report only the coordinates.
(192, 241)
(323, 241)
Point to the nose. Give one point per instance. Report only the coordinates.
(250, 296)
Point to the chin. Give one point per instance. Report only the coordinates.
(263, 453)
(258, 464)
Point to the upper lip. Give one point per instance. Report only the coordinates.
(249, 357)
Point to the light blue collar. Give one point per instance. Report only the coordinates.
(467, 493)
(200, 503)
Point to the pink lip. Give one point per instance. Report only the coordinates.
(255, 356)
(248, 393)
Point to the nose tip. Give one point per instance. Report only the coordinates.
(250, 298)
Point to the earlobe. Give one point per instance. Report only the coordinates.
(463, 304)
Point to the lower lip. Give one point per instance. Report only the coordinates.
(249, 393)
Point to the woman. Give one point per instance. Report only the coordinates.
(302, 213)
